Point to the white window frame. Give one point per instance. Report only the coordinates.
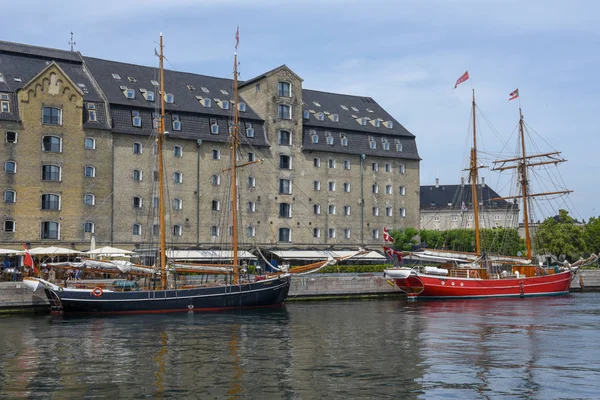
(89, 168)
(90, 140)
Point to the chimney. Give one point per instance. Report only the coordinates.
(483, 181)
(437, 182)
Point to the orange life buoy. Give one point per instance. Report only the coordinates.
(97, 291)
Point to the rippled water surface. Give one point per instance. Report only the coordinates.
(496, 349)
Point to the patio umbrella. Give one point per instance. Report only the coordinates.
(108, 251)
(52, 250)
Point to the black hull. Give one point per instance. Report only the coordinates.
(267, 293)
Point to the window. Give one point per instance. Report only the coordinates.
(437, 218)
(92, 116)
(176, 122)
(9, 226)
(178, 151)
(88, 227)
(137, 148)
(496, 217)
(376, 211)
(335, 117)
(50, 202)
(388, 167)
(375, 188)
(321, 116)
(51, 173)
(216, 154)
(386, 146)
(214, 231)
(251, 182)
(216, 205)
(388, 211)
(177, 177)
(225, 92)
(285, 210)
(284, 89)
(346, 164)
(206, 102)
(306, 114)
(11, 137)
(314, 138)
(403, 212)
(169, 98)
(347, 233)
(216, 180)
(285, 138)
(347, 210)
(398, 147)
(150, 95)
(389, 124)
(214, 127)
(331, 186)
(388, 189)
(375, 233)
(372, 144)
(402, 169)
(455, 218)
(316, 232)
(285, 186)
(252, 157)
(51, 116)
(285, 162)
(137, 202)
(317, 162)
(136, 119)
(331, 163)
(284, 111)
(52, 144)
(137, 175)
(362, 121)
(375, 167)
(317, 185)
(402, 190)
(156, 229)
(251, 207)
(347, 187)
(331, 209)
(331, 233)
(90, 143)
(4, 106)
(242, 107)
(129, 93)
(344, 141)
(10, 167)
(177, 230)
(317, 209)
(155, 202)
(330, 140)
(285, 235)
(89, 199)
(90, 172)
(224, 104)
(10, 196)
(249, 129)
(50, 230)
(251, 231)
(136, 229)
(155, 176)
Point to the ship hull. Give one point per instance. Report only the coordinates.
(422, 286)
(266, 293)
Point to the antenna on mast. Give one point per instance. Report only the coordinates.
(72, 42)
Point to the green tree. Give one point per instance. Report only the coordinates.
(592, 235)
(560, 236)
(404, 239)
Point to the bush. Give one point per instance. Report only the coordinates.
(354, 268)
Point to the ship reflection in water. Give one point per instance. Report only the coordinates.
(533, 348)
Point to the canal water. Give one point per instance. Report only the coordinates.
(546, 348)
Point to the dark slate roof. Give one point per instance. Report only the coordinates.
(452, 197)
(358, 143)
(193, 126)
(332, 103)
(175, 82)
(264, 75)
(25, 62)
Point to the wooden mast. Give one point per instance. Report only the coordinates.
(474, 182)
(161, 178)
(234, 145)
(523, 168)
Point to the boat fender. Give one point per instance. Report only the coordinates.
(60, 288)
(97, 291)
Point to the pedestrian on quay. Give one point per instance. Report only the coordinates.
(52, 275)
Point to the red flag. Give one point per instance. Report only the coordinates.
(463, 78)
(391, 253)
(237, 37)
(514, 94)
(386, 236)
(28, 261)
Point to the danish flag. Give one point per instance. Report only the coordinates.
(391, 253)
(386, 236)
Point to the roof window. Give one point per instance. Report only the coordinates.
(354, 109)
(344, 107)
(155, 83)
(369, 110)
(191, 87)
(316, 103)
(17, 79)
(1, 77)
(116, 76)
(91, 106)
(205, 90)
(224, 92)
(132, 79)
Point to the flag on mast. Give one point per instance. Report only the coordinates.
(514, 94)
(463, 78)
(391, 253)
(237, 37)
(386, 236)
(28, 261)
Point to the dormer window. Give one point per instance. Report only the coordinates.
(214, 127)
(362, 121)
(242, 107)
(386, 146)
(306, 114)
(149, 95)
(344, 141)
(335, 117)
(205, 90)
(169, 98)
(330, 140)
(176, 122)
(376, 123)
(224, 104)
(136, 119)
(116, 76)
(398, 147)
(249, 130)
(4, 103)
(315, 138)
(320, 116)
(92, 116)
(191, 87)
(389, 124)
(155, 83)
(284, 89)
(206, 102)
(129, 93)
(132, 79)
(372, 144)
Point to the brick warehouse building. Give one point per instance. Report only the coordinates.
(79, 157)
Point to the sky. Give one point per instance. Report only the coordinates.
(406, 54)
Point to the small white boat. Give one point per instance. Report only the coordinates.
(397, 273)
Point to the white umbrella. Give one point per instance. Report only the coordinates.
(9, 251)
(52, 250)
(107, 250)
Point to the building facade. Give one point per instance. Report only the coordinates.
(446, 207)
(319, 170)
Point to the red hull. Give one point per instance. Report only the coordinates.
(441, 287)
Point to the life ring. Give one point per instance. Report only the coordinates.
(97, 291)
